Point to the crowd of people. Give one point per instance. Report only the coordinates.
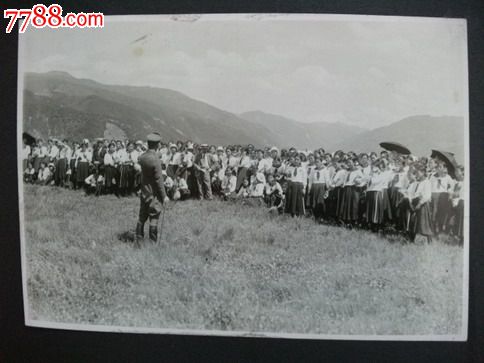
(385, 191)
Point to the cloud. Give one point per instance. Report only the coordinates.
(365, 72)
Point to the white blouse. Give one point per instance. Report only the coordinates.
(297, 174)
(83, 155)
(353, 177)
(424, 191)
(320, 176)
(229, 183)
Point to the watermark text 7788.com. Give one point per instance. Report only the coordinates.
(41, 16)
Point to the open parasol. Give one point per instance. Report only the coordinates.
(395, 146)
(448, 159)
(29, 139)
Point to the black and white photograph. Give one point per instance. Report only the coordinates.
(252, 175)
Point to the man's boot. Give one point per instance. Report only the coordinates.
(139, 234)
(154, 234)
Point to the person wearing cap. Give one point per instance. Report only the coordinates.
(152, 190)
(202, 165)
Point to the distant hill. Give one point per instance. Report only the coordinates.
(419, 133)
(290, 132)
(59, 105)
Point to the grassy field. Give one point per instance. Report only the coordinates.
(226, 266)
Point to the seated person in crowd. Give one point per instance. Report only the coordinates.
(181, 189)
(229, 183)
(29, 173)
(256, 189)
(244, 189)
(273, 194)
(46, 174)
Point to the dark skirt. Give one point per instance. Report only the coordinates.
(60, 171)
(458, 216)
(387, 206)
(331, 203)
(191, 181)
(404, 213)
(374, 207)
(72, 166)
(338, 195)
(294, 199)
(82, 171)
(442, 214)
(110, 175)
(316, 195)
(395, 197)
(421, 221)
(36, 163)
(241, 175)
(126, 176)
(349, 208)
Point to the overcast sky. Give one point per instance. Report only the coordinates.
(359, 70)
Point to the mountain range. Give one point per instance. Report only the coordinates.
(57, 104)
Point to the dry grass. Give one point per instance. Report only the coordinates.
(225, 266)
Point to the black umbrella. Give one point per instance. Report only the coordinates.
(448, 159)
(29, 139)
(395, 146)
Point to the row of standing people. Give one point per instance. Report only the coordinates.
(408, 194)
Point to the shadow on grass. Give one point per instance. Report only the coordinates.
(126, 237)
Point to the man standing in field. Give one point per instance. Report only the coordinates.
(152, 191)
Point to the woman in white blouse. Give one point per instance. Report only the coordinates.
(375, 207)
(297, 178)
(318, 190)
(111, 161)
(440, 206)
(421, 220)
(243, 167)
(83, 159)
(349, 206)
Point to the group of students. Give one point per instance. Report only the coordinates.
(380, 192)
